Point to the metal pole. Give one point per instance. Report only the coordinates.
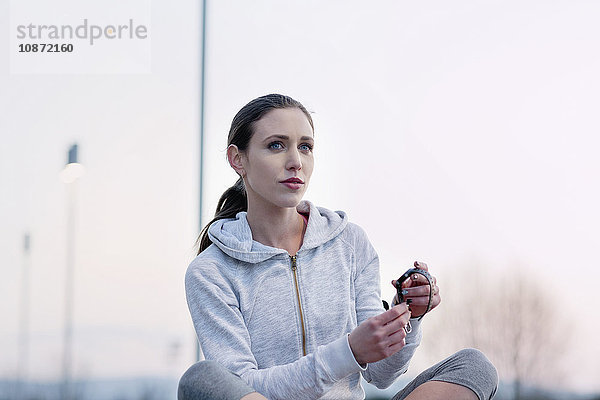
(68, 328)
(24, 322)
(67, 362)
(202, 92)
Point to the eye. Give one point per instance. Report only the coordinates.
(305, 147)
(275, 145)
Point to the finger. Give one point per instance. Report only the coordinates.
(405, 284)
(391, 314)
(437, 299)
(424, 300)
(397, 325)
(396, 337)
(415, 280)
(404, 310)
(420, 300)
(421, 265)
(411, 292)
(403, 313)
(397, 347)
(434, 289)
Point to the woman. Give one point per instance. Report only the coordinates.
(285, 296)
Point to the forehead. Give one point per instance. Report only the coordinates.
(282, 121)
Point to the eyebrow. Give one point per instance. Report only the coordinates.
(285, 137)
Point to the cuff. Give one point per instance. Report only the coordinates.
(363, 367)
(415, 334)
(339, 360)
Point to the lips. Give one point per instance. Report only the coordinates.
(293, 180)
(294, 183)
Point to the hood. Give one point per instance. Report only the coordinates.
(234, 237)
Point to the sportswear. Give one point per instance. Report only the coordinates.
(281, 322)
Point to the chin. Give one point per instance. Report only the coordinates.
(276, 199)
(290, 204)
(290, 201)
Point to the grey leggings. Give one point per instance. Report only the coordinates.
(470, 368)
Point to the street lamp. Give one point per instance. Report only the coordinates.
(23, 363)
(202, 96)
(73, 170)
(69, 175)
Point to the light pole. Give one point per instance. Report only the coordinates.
(24, 321)
(202, 95)
(69, 175)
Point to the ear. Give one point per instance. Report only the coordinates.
(235, 158)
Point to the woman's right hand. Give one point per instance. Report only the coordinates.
(380, 336)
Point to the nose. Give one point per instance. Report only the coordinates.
(294, 161)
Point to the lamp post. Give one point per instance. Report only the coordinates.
(69, 175)
(24, 322)
(202, 96)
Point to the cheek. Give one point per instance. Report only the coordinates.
(308, 168)
(263, 170)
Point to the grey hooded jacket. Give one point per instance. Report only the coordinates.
(282, 322)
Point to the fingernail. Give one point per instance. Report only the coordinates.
(404, 292)
(408, 301)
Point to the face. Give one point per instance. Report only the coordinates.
(278, 162)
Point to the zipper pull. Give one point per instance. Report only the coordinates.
(293, 262)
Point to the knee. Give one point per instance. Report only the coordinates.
(481, 367)
(480, 363)
(197, 377)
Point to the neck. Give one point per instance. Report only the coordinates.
(277, 227)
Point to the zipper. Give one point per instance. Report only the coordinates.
(293, 260)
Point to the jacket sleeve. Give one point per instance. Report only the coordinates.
(223, 337)
(368, 304)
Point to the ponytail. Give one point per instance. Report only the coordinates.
(232, 201)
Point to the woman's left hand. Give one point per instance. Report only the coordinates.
(417, 289)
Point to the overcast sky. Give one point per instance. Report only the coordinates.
(453, 132)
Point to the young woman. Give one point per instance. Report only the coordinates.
(285, 295)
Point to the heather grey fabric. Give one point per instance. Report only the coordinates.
(244, 304)
(208, 380)
(468, 367)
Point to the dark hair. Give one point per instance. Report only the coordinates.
(234, 199)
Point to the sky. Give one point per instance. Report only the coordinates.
(454, 133)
